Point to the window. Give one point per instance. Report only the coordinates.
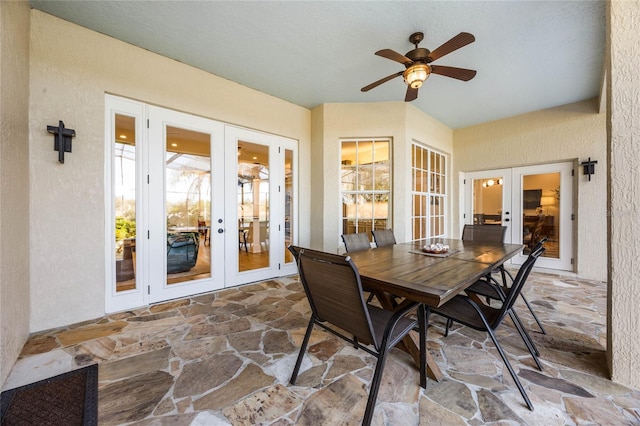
(365, 185)
(428, 169)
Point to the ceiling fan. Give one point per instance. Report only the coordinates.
(418, 63)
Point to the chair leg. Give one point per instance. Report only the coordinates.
(446, 330)
(533, 314)
(375, 386)
(423, 320)
(526, 338)
(509, 367)
(524, 333)
(303, 348)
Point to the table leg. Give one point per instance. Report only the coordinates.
(411, 343)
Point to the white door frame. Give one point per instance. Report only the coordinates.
(512, 203)
(150, 274)
(121, 300)
(276, 146)
(159, 119)
(506, 216)
(565, 220)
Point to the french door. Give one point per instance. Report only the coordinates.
(533, 202)
(186, 176)
(197, 205)
(260, 205)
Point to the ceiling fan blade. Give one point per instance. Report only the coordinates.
(394, 56)
(382, 80)
(411, 95)
(453, 72)
(455, 43)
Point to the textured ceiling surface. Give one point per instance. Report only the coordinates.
(529, 55)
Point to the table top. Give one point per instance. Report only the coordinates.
(403, 270)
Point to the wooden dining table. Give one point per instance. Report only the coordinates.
(406, 271)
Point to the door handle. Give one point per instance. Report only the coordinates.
(220, 230)
(506, 219)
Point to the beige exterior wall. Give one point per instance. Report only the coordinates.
(624, 195)
(399, 121)
(14, 182)
(571, 132)
(317, 178)
(71, 70)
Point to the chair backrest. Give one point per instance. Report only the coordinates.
(356, 242)
(518, 284)
(537, 230)
(264, 231)
(484, 233)
(384, 237)
(294, 251)
(540, 243)
(333, 287)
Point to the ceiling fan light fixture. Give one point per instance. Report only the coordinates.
(416, 74)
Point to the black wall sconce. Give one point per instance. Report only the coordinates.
(589, 167)
(61, 139)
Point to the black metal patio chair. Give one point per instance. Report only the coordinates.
(384, 237)
(462, 309)
(356, 242)
(334, 290)
(490, 233)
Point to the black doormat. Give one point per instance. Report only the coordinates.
(68, 399)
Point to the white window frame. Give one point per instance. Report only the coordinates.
(374, 192)
(429, 193)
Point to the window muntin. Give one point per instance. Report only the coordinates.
(428, 169)
(365, 185)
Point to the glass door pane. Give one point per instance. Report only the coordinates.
(124, 196)
(487, 201)
(540, 212)
(185, 205)
(543, 206)
(253, 206)
(288, 204)
(188, 204)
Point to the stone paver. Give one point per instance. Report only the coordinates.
(226, 358)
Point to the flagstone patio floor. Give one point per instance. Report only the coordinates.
(225, 357)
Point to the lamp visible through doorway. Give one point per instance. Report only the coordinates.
(546, 202)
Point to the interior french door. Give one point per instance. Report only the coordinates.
(488, 199)
(533, 202)
(192, 205)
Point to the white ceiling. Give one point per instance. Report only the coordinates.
(529, 55)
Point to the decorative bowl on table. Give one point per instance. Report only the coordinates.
(436, 248)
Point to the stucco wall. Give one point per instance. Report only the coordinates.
(398, 120)
(71, 70)
(624, 195)
(14, 182)
(570, 132)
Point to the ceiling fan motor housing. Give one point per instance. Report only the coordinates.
(419, 54)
